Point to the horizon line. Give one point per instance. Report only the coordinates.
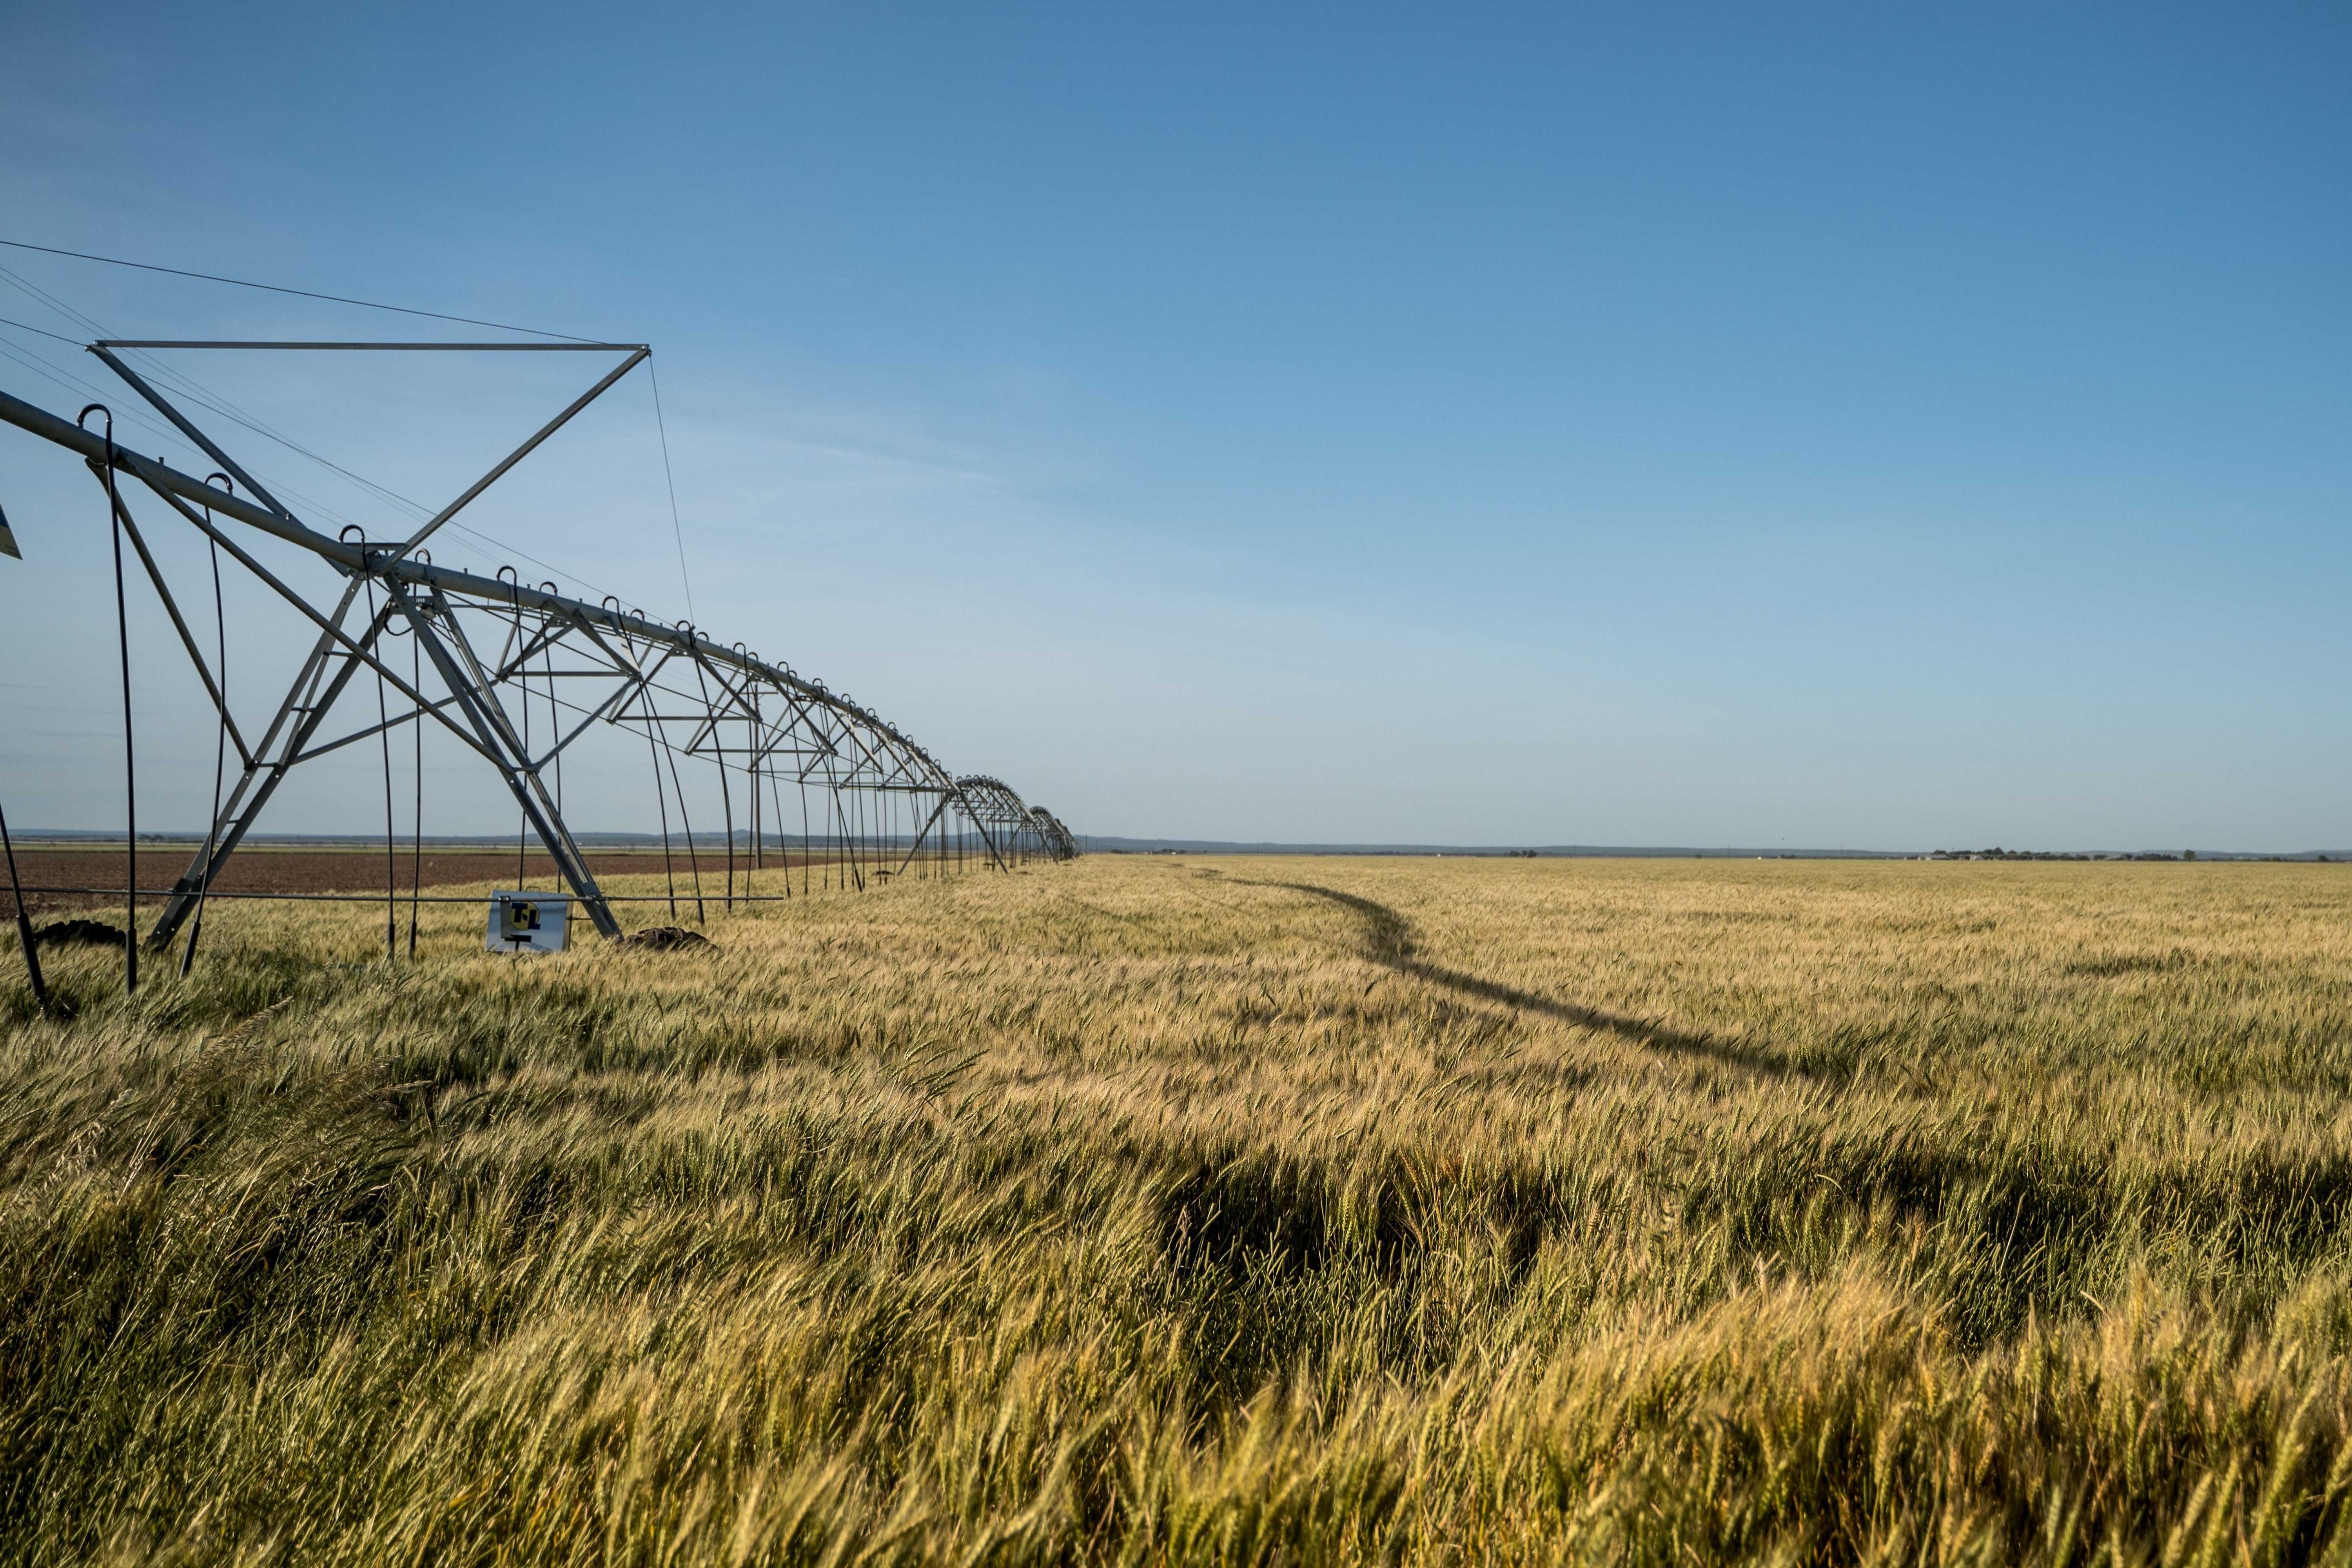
(1116, 843)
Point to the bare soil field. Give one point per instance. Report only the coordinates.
(265, 869)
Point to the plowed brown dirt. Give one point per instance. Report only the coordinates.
(268, 870)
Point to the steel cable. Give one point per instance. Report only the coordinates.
(24, 922)
(129, 751)
(416, 843)
(719, 752)
(652, 751)
(303, 293)
(522, 825)
(391, 859)
(686, 821)
(220, 742)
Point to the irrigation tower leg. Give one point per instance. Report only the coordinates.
(297, 720)
(470, 684)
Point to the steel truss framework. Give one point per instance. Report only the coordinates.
(519, 673)
(1031, 831)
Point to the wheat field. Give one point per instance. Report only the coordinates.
(1153, 1210)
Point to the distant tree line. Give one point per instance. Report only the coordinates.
(1998, 853)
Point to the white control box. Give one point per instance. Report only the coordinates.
(528, 922)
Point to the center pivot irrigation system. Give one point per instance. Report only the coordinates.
(519, 673)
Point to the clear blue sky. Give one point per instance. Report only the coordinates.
(1870, 425)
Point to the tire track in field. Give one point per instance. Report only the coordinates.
(1389, 940)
